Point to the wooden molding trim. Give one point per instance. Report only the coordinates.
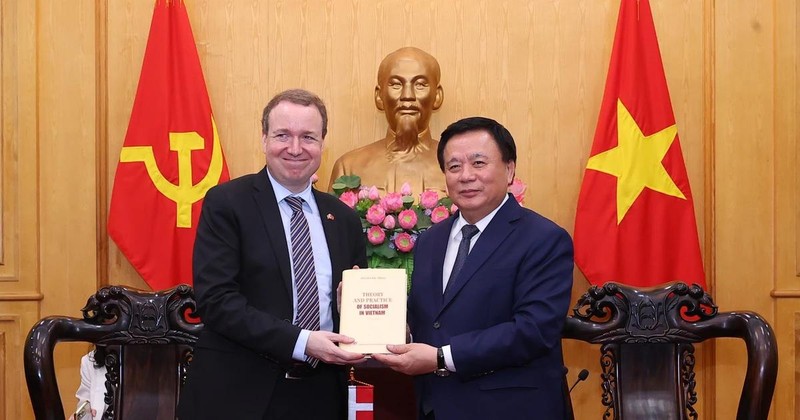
(709, 137)
(101, 140)
(17, 297)
(794, 92)
(709, 171)
(785, 293)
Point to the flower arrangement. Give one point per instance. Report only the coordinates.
(393, 222)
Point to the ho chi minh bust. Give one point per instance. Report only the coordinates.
(408, 91)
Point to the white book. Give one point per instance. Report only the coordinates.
(373, 309)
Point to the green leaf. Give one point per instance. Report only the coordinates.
(383, 250)
(423, 220)
(376, 261)
(338, 188)
(349, 181)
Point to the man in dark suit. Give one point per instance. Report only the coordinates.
(489, 294)
(262, 355)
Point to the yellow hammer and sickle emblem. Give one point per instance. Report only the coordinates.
(184, 194)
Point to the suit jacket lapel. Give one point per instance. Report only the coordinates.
(331, 234)
(488, 242)
(264, 196)
(438, 240)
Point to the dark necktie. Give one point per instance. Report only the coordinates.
(305, 276)
(467, 232)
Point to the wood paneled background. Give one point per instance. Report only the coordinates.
(69, 71)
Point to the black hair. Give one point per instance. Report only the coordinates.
(99, 356)
(502, 137)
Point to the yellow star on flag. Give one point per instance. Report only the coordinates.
(636, 161)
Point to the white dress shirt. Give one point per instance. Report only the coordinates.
(322, 259)
(450, 259)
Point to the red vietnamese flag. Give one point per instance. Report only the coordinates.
(635, 220)
(170, 158)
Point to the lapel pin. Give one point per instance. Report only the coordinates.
(330, 217)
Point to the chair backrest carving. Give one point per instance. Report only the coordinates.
(148, 337)
(647, 352)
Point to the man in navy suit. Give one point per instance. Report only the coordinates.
(255, 359)
(486, 314)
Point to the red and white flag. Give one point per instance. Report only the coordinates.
(635, 222)
(171, 155)
(360, 401)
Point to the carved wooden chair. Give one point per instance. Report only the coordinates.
(647, 357)
(148, 338)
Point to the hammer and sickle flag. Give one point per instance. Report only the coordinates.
(170, 158)
(635, 221)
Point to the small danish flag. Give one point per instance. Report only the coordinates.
(359, 399)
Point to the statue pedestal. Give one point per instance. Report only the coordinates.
(394, 392)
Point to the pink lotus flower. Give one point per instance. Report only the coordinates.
(517, 188)
(404, 242)
(392, 202)
(407, 219)
(363, 193)
(374, 194)
(405, 189)
(375, 214)
(389, 222)
(439, 213)
(350, 198)
(453, 208)
(429, 199)
(376, 235)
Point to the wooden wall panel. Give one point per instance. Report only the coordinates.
(17, 72)
(19, 277)
(3, 403)
(744, 148)
(10, 331)
(787, 198)
(66, 130)
(66, 135)
(15, 321)
(2, 175)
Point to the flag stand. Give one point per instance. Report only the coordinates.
(360, 398)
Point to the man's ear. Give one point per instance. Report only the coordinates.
(378, 100)
(511, 171)
(264, 143)
(437, 102)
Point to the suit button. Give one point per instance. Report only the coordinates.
(436, 325)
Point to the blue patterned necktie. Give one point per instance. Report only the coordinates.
(305, 276)
(467, 232)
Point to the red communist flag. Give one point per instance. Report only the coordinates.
(635, 221)
(170, 158)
